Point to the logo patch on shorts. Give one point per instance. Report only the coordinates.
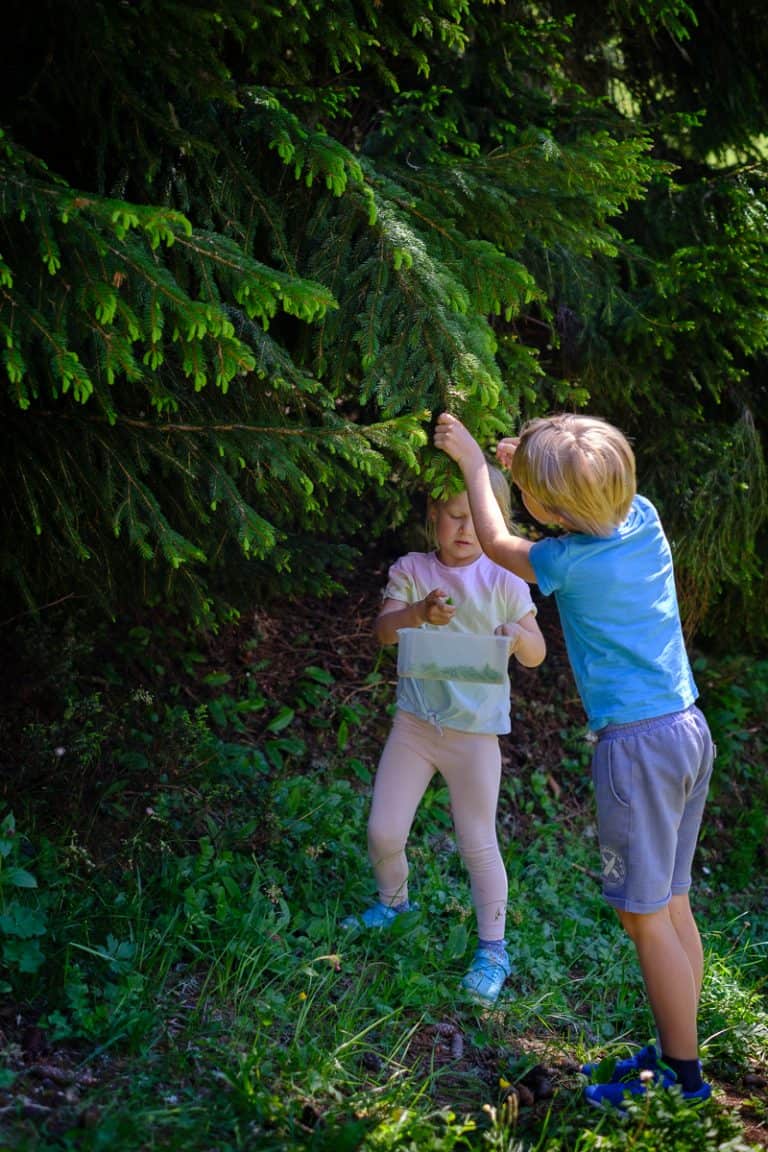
(613, 866)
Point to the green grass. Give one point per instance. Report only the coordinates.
(196, 984)
(246, 1019)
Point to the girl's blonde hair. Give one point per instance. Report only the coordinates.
(580, 468)
(500, 486)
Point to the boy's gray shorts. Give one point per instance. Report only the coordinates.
(651, 780)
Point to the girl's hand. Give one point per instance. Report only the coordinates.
(453, 438)
(436, 608)
(514, 634)
(505, 450)
(526, 641)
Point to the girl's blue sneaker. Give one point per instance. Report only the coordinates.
(645, 1058)
(377, 916)
(487, 973)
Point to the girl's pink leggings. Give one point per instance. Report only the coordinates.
(470, 764)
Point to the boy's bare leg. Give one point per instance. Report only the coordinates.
(672, 981)
(688, 934)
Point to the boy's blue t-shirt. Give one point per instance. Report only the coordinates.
(618, 608)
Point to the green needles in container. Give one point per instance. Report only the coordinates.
(432, 654)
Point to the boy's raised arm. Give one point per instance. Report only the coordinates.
(497, 542)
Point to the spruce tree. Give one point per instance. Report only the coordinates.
(249, 250)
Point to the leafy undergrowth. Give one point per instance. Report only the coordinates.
(184, 828)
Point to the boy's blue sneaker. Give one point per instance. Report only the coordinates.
(377, 916)
(487, 973)
(646, 1058)
(617, 1094)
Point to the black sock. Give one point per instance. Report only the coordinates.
(688, 1072)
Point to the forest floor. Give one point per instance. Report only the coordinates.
(335, 635)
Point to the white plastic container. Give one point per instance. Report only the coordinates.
(428, 654)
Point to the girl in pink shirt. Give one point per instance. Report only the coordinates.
(449, 726)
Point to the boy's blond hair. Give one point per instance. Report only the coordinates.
(500, 486)
(580, 468)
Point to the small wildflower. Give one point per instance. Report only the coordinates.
(459, 909)
(504, 1083)
(274, 893)
(60, 751)
(302, 995)
(646, 1076)
(509, 1109)
(333, 959)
